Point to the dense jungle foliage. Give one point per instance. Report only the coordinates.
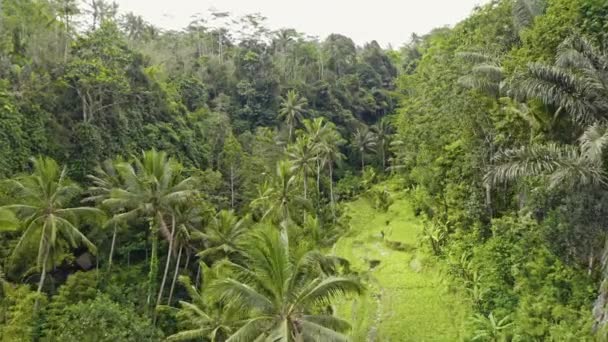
(162, 185)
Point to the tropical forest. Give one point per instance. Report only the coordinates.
(232, 182)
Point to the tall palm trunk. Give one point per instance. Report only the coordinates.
(179, 256)
(187, 259)
(362, 160)
(112, 246)
(168, 263)
(331, 191)
(382, 152)
(318, 176)
(153, 264)
(42, 276)
(197, 283)
(290, 133)
(488, 200)
(232, 186)
(305, 184)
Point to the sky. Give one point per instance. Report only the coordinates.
(386, 21)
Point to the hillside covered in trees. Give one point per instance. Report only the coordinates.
(228, 182)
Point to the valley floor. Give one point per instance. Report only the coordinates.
(406, 298)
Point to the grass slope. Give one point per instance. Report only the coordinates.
(406, 299)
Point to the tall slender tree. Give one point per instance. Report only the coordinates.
(292, 111)
(303, 156)
(330, 153)
(42, 202)
(284, 294)
(224, 238)
(383, 131)
(104, 180)
(152, 185)
(365, 142)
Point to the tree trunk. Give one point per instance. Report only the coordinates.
(42, 277)
(167, 264)
(305, 184)
(112, 247)
(362, 161)
(232, 186)
(489, 199)
(197, 282)
(331, 191)
(153, 265)
(318, 176)
(187, 259)
(179, 256)
(383, 158)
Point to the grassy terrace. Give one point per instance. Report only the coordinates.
(406, 298)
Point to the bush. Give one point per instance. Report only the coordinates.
(102, 320)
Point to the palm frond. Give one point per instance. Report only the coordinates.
(322, 291)
(317, 332)
(593, 141)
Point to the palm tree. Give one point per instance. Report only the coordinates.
(329, 152)
(564, 165)
(43, 204)
(576, 84)
(187, 217)
(316, 131)
(365, 142)
(292, 110)
(277, 199)
(152, 185)
(224, 238)
(383, 131)
(104, 180)
(486, 74)
(204, 316)
(524, 12)
(285, 295)
(302, 155)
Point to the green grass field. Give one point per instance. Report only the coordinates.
(406, 299)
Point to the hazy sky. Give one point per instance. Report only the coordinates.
(387, 21)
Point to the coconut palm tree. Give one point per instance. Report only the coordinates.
(302, 155)
(42, 202)
(277, 200)
(285, 295)
(365, 142)
(187, 218)
(292, 110)
(383, 131)
(316, 130)
(329, 152)
(224, 238)
(203, 316)
(104, 180)
(152, 185)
